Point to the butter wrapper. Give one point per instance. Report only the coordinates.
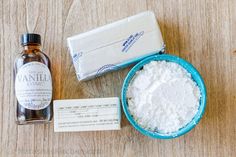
(116, 45)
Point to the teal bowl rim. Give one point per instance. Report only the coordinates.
(195, 76)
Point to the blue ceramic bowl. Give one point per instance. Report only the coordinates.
(195, 76)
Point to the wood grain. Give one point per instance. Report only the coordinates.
(202, 32)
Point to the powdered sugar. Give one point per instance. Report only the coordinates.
(162, 97)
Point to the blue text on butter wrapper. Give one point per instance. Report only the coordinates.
(131, 40)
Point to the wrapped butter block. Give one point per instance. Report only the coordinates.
(115, 45)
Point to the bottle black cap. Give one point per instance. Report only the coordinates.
(30, 38)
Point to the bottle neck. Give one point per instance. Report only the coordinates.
(31, 47)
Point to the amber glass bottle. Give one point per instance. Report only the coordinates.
(33, 82)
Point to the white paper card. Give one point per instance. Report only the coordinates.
(87, 114)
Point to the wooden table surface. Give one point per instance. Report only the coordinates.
(202, 32)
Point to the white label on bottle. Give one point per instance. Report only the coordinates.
(33, 86)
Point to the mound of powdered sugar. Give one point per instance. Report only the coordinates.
(162, 97)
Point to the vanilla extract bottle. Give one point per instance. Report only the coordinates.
(33, 82)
